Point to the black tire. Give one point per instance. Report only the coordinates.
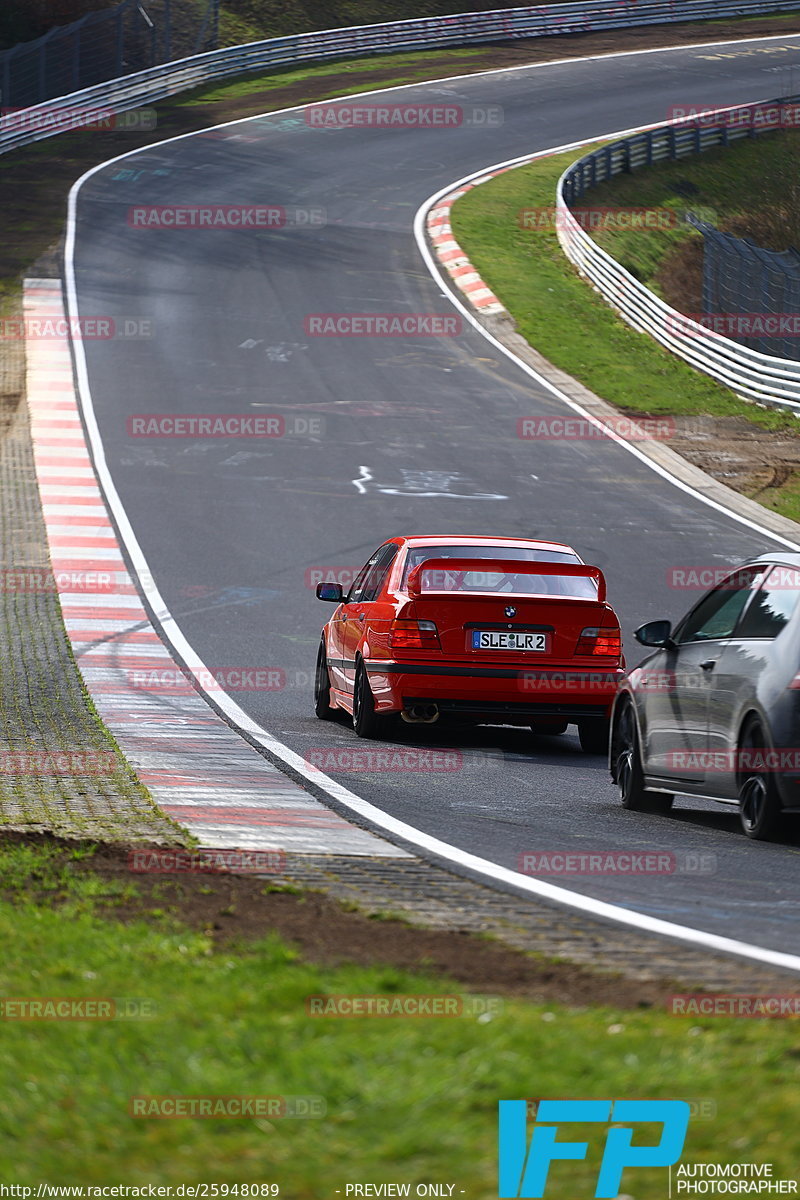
(593, 734)
(365, 721)
(760, 809)
(626, 767)
(548, 728)
(322, 688)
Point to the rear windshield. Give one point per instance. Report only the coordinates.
(510, 581)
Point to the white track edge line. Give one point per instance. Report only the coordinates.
(375, 816)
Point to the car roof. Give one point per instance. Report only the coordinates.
(463, 539)
(786, 557)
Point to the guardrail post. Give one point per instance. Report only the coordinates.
(167, 30)
(5, 96)
(119, 40)
(76, 60)
(42, 73)
(215, 23)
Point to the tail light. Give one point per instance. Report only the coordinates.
(607, 642)
(795, 684)
(414, 635)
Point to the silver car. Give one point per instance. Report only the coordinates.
(715, 711)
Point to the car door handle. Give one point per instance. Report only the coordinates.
(708, 665)
(361, 616)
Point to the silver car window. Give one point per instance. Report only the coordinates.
(773, 605)
(717, 613)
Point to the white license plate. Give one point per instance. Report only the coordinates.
(484, 639)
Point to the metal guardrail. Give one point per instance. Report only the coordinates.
(156, 83)
(749, 373)
(104, 44)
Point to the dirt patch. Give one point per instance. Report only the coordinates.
(234, 910)
(749, 459)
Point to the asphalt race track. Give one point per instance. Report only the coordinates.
(418, 435)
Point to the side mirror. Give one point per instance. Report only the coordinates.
(654, 633)
(331, 592)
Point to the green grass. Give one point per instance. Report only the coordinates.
(561, 315)
(407, 1099)
(413, 66)
(719, 185)
(252, 19)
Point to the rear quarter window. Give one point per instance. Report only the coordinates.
(772, 606)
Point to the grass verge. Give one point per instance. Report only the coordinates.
(271, 18)
(406, 1099)
(746, 188)
(560, 314)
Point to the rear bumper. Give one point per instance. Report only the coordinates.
(495, 693)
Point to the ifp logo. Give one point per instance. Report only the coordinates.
(523, 1171)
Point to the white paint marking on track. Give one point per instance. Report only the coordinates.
(483, 868)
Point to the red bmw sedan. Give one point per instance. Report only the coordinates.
(505, 631)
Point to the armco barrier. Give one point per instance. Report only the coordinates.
(156, 83)
(755, 376)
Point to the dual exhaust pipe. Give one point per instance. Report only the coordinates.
(420, 714)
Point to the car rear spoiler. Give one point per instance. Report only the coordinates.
(504, 567)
